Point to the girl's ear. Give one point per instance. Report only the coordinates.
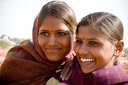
(119, 48)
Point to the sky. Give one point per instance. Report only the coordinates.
(17, 16)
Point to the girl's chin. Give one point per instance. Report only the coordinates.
(86, 71)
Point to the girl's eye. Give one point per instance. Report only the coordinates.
(61, 33)
(93, 43)
(78, 42)
(44, 33)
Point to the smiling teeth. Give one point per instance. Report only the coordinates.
(86, 60)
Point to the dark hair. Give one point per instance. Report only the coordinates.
(60, 10)
(105, 23)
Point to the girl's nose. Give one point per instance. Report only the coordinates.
(52, 40)
(83, 50)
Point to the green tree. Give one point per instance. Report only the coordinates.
(4, 44)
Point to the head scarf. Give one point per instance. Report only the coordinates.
(27, 64)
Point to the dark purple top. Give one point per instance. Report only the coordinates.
(109, 75)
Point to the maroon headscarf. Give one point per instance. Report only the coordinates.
(109, 75)
(26, 63)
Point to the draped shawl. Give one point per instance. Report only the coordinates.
(109, 75)
(26, 63)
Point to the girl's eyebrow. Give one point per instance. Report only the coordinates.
(78, 38)
(88, 39)
(43, 30)
(55, 30)
(93, 39)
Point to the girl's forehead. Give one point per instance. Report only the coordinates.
(87, 32)
(53, 23)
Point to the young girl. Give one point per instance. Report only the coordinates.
(99, 43)
(35, 62)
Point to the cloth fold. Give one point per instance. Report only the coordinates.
(23, 63)
(109, 75)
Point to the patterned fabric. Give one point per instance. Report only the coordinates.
(26, 64)
(109, 75)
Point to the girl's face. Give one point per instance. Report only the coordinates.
(55, 38)
(92, 50)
